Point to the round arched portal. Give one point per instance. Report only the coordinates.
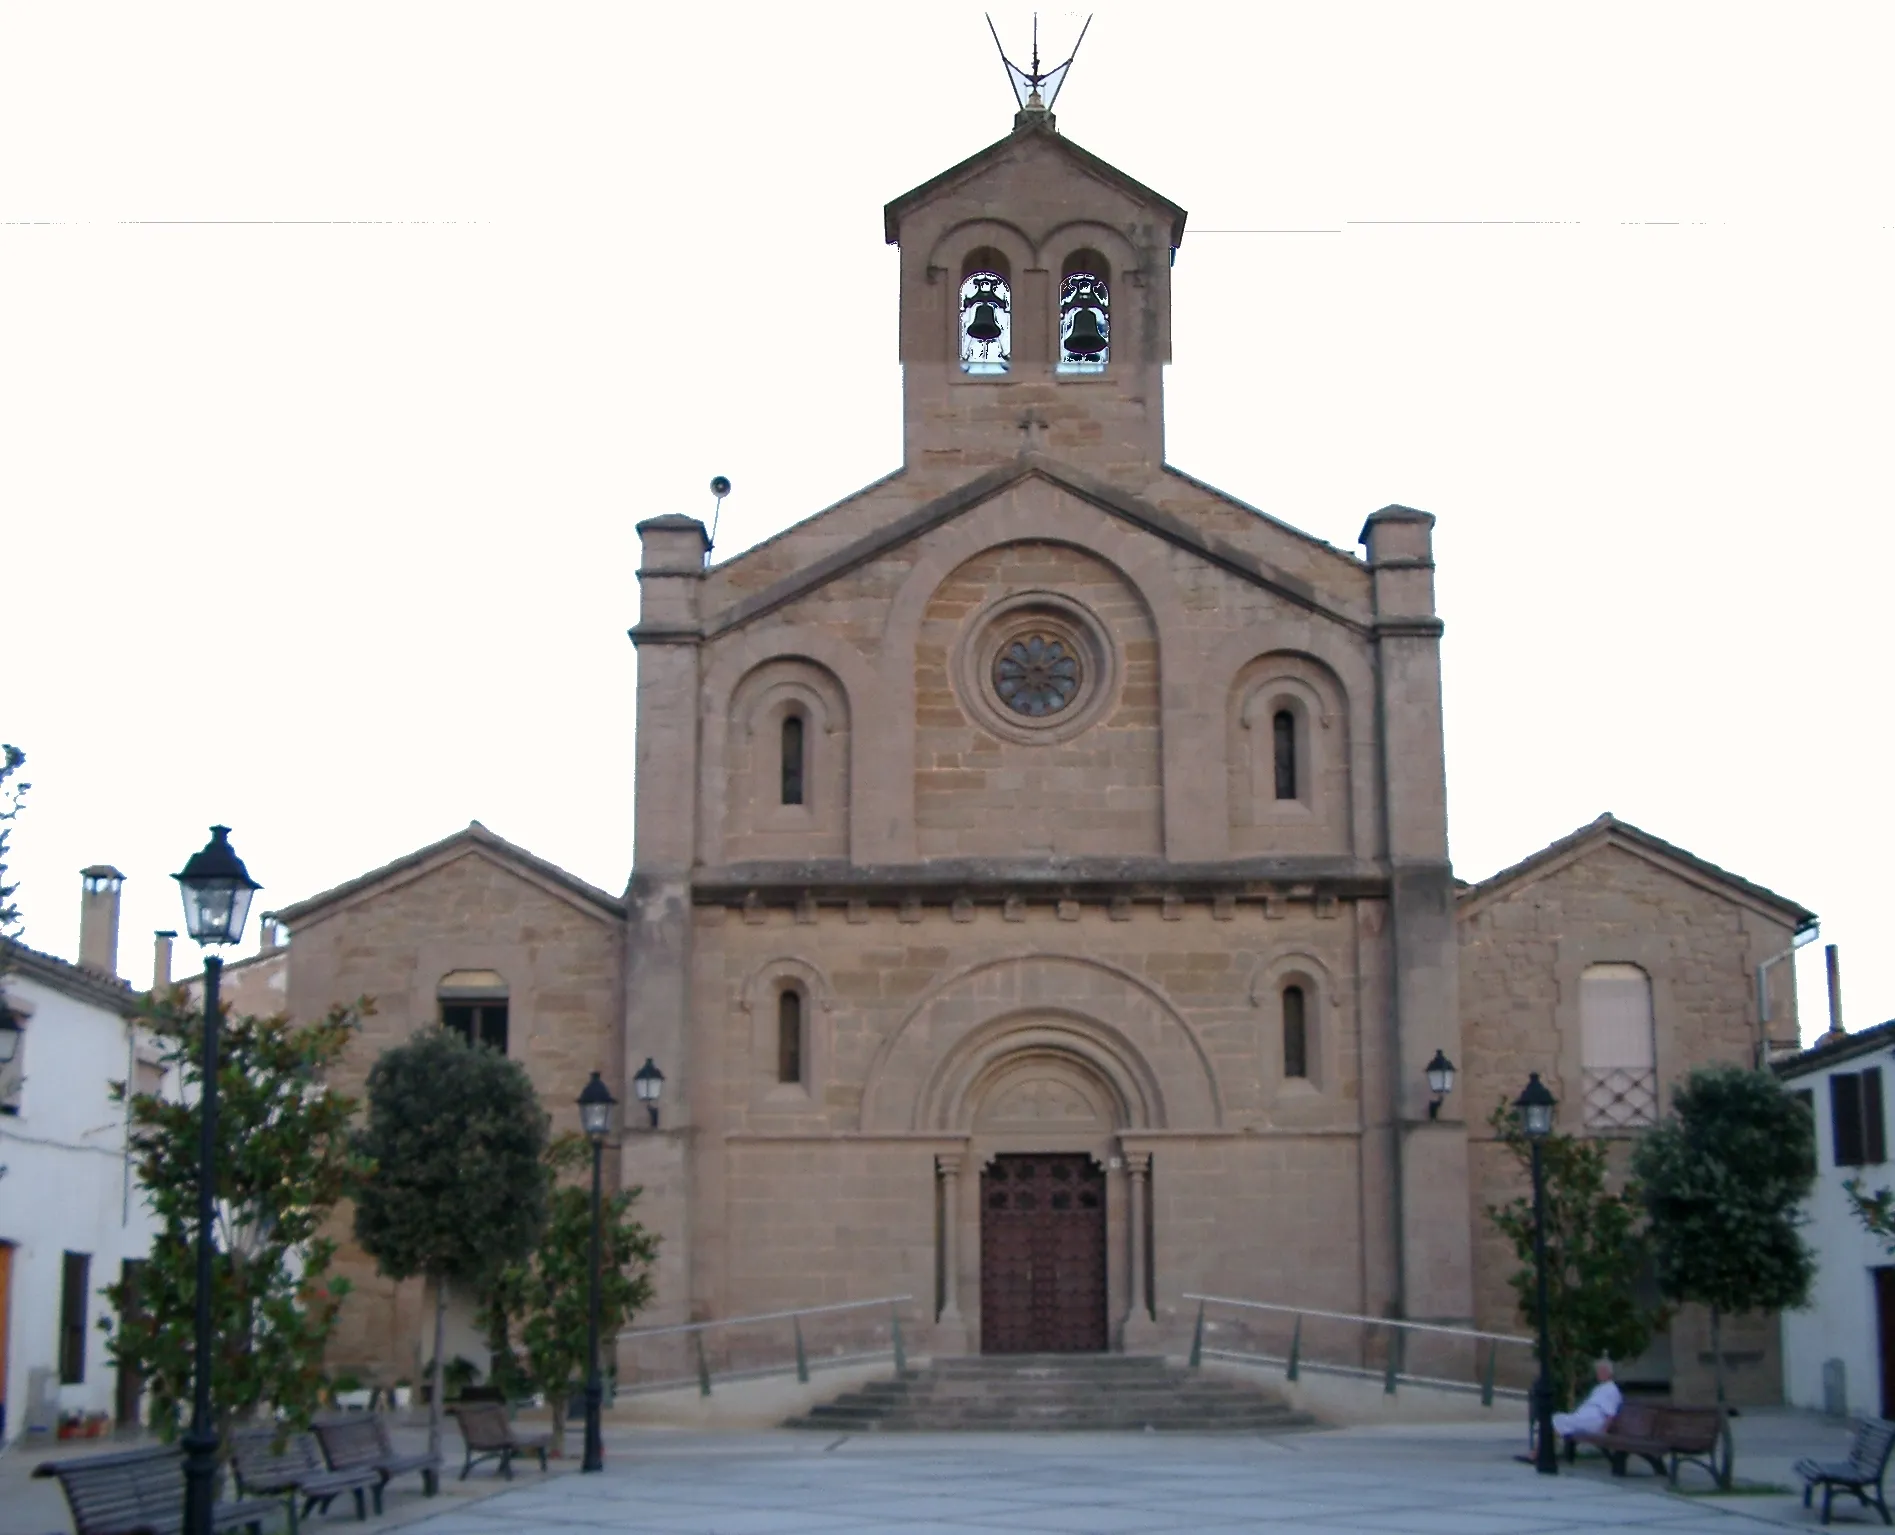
(1042, 1107)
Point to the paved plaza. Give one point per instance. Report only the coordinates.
(1436, 1480)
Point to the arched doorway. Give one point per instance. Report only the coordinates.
(1043, 1122)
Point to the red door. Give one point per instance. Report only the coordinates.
(1042, 1255)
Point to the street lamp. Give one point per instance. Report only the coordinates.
(1440, 1082)
(595, 1118)
(649, 1083)
(1536, 1107)
(217, 889)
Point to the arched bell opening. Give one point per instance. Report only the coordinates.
(1085, 314)
(986, 313)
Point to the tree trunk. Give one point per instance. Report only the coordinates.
(558, 1402)
(438, 1383)
(1723, 1411)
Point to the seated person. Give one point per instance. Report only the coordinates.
(1600, 1407)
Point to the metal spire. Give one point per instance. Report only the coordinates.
(1035, 89)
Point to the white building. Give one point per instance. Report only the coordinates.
(1839, 1352)
(72, 1216)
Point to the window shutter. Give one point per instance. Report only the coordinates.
(1874, 1140)
(1845, 1115)
(72, 1319)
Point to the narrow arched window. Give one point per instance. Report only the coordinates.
(1085, 315)
(986, 315)
(1618, 1056)
(1295, 1033)
(1283, 745)
(793, 748)
(789, 1035)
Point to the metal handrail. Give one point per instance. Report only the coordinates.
(767, 1316)
(1391, 1376)
(795, 1319)
(1373, 1321)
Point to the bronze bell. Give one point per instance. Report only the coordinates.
(985, 326)
(1084, 338)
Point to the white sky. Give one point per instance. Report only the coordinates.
(342, 346)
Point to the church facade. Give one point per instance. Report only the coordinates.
(1043, 906)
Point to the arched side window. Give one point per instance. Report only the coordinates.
(789, 1035)
(1283, 752)
(986, 314)
(474, 1006)
(1085, 314)
(793, 759)
(1618, 1056)
(1295, 1033)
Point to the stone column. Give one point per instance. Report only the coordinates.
(950, 1335)
(1140, 1332)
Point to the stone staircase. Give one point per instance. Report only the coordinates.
(1012, 1392)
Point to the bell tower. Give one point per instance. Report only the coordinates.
(1035, 308)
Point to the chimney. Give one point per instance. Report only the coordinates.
(98, 918)
(271, 934)
(161, 961)
(1832, 963)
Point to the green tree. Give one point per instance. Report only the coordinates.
(458, 1189)
(12, 796)
(283, 1162)
(1875, 1209)
(548, 1294)
(1724, 1176)
(1596, 1251)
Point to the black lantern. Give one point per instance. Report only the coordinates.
(1535, 1107)
(217, 890)
(595, 1116)
(648, 1082)
(1440, 1081)
(595, 1109)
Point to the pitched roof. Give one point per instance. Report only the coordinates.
(1833, 1052)
(1166, 525)
(74, 980)
(1608, 828)
(472, 838)
(1039, 126)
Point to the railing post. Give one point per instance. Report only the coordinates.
(1296, 1348)
(1394, 1359)
(703, 1367)
(1487, 1380)
(802, 1359)
(1197, 1339)
(901, 1354)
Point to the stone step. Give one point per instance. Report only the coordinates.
(1066, 1392)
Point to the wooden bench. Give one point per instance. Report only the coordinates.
(360, 1440)
(296, 1470)
(1862, 1471)
(141, 1492)
(1665, 1437)
(489, 1436)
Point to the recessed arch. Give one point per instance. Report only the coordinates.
(1114, 1021)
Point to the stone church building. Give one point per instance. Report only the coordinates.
(1043, 905)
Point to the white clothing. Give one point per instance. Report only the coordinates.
(1591, 1415)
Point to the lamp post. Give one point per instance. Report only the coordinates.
(1536, 1106)
(1440, 1081)
(217, 891)
(648, 1082)
(595, 1118)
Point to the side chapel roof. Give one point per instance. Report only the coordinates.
(473, 837)
(1609, 829)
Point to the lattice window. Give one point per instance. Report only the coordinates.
(1618, 1056)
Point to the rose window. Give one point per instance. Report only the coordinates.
(1036, 675)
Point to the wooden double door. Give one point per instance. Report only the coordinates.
(1042, 1255)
